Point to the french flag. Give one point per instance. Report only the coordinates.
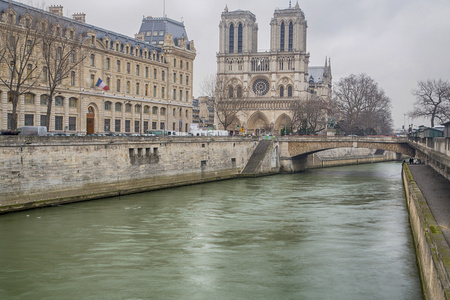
(102, 85)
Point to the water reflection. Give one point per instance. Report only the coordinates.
(338, 233)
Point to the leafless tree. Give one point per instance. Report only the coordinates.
(309, 116)
(363, 108)
(62, 52)
(18, 57)
(432, 101)
(226, 104)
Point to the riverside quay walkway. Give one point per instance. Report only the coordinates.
(428, 200)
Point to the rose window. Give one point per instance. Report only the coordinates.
(260, 87)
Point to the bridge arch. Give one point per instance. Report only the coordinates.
(303, 148)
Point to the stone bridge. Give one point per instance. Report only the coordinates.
(295, 149)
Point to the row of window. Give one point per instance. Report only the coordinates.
(238, 94)
(58, 101)
(137, 109)
(59, 124)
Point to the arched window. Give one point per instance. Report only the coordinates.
(291, 36)
(163, 111)
(118, 85)
(282, 37)
(128, 107)
(29, 98)
(73, 102)
(59, 101)
(59, 53)
(239, 92)
(154, 110)
(44, 100)
(281, 91)
(118, 106)
(72, 78)
(231, 39)
(240, 38)
(92, 60)
(230, 92)
(137, 88)
(128, 87)
(289, 91)
(108, 105)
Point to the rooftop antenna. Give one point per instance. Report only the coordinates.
(164, 8)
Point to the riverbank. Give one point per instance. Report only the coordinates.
(428, 204)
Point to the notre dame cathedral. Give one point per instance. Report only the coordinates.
(268, 81)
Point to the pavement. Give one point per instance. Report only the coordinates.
(436, 190)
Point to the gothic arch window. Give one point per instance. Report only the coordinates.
(282, 37)
(290, 91)
(230, 92)
(231, 39)
(291, 36)
(240, 38)
(239, 92)
(281, 91)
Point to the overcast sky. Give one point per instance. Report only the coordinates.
(396, 42)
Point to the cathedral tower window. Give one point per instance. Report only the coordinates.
(239, 92)
(289, 91)
(240, 38)
(282, 37)
(281, 91)
(291, 36)
(230, 92)
(231, 39)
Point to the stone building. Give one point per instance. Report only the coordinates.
(203, 112)
(268, 81)
(150, 84)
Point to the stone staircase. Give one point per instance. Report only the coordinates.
(257, 157)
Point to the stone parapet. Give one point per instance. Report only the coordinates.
(432, 250)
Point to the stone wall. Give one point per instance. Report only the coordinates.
(40, 171)
(432, 251)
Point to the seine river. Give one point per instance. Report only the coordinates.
(337, 233)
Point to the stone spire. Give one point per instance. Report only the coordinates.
(226, 8)
(297, 6)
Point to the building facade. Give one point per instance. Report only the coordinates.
(149, 84)
(268, 82)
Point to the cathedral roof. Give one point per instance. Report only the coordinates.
(316, 74)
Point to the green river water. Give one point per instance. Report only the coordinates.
(336, 233)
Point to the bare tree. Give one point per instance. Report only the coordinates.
(18, 39)
(309, 116)
(62, 52)
(363, 107)
(226, 104)
(432, 101)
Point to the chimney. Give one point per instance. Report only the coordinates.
(56, 9)
(80, 17)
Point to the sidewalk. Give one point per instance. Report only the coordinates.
(436, 190)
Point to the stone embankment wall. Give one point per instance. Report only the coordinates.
(348, 156)
(41, 171)
(432, 251)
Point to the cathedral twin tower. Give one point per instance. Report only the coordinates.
(268, 81)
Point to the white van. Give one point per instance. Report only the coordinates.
(33, 130)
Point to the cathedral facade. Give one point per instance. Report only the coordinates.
(268, 82)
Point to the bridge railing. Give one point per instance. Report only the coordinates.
(385, 139)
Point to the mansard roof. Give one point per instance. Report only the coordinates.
(165, 25)
(22, 9)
